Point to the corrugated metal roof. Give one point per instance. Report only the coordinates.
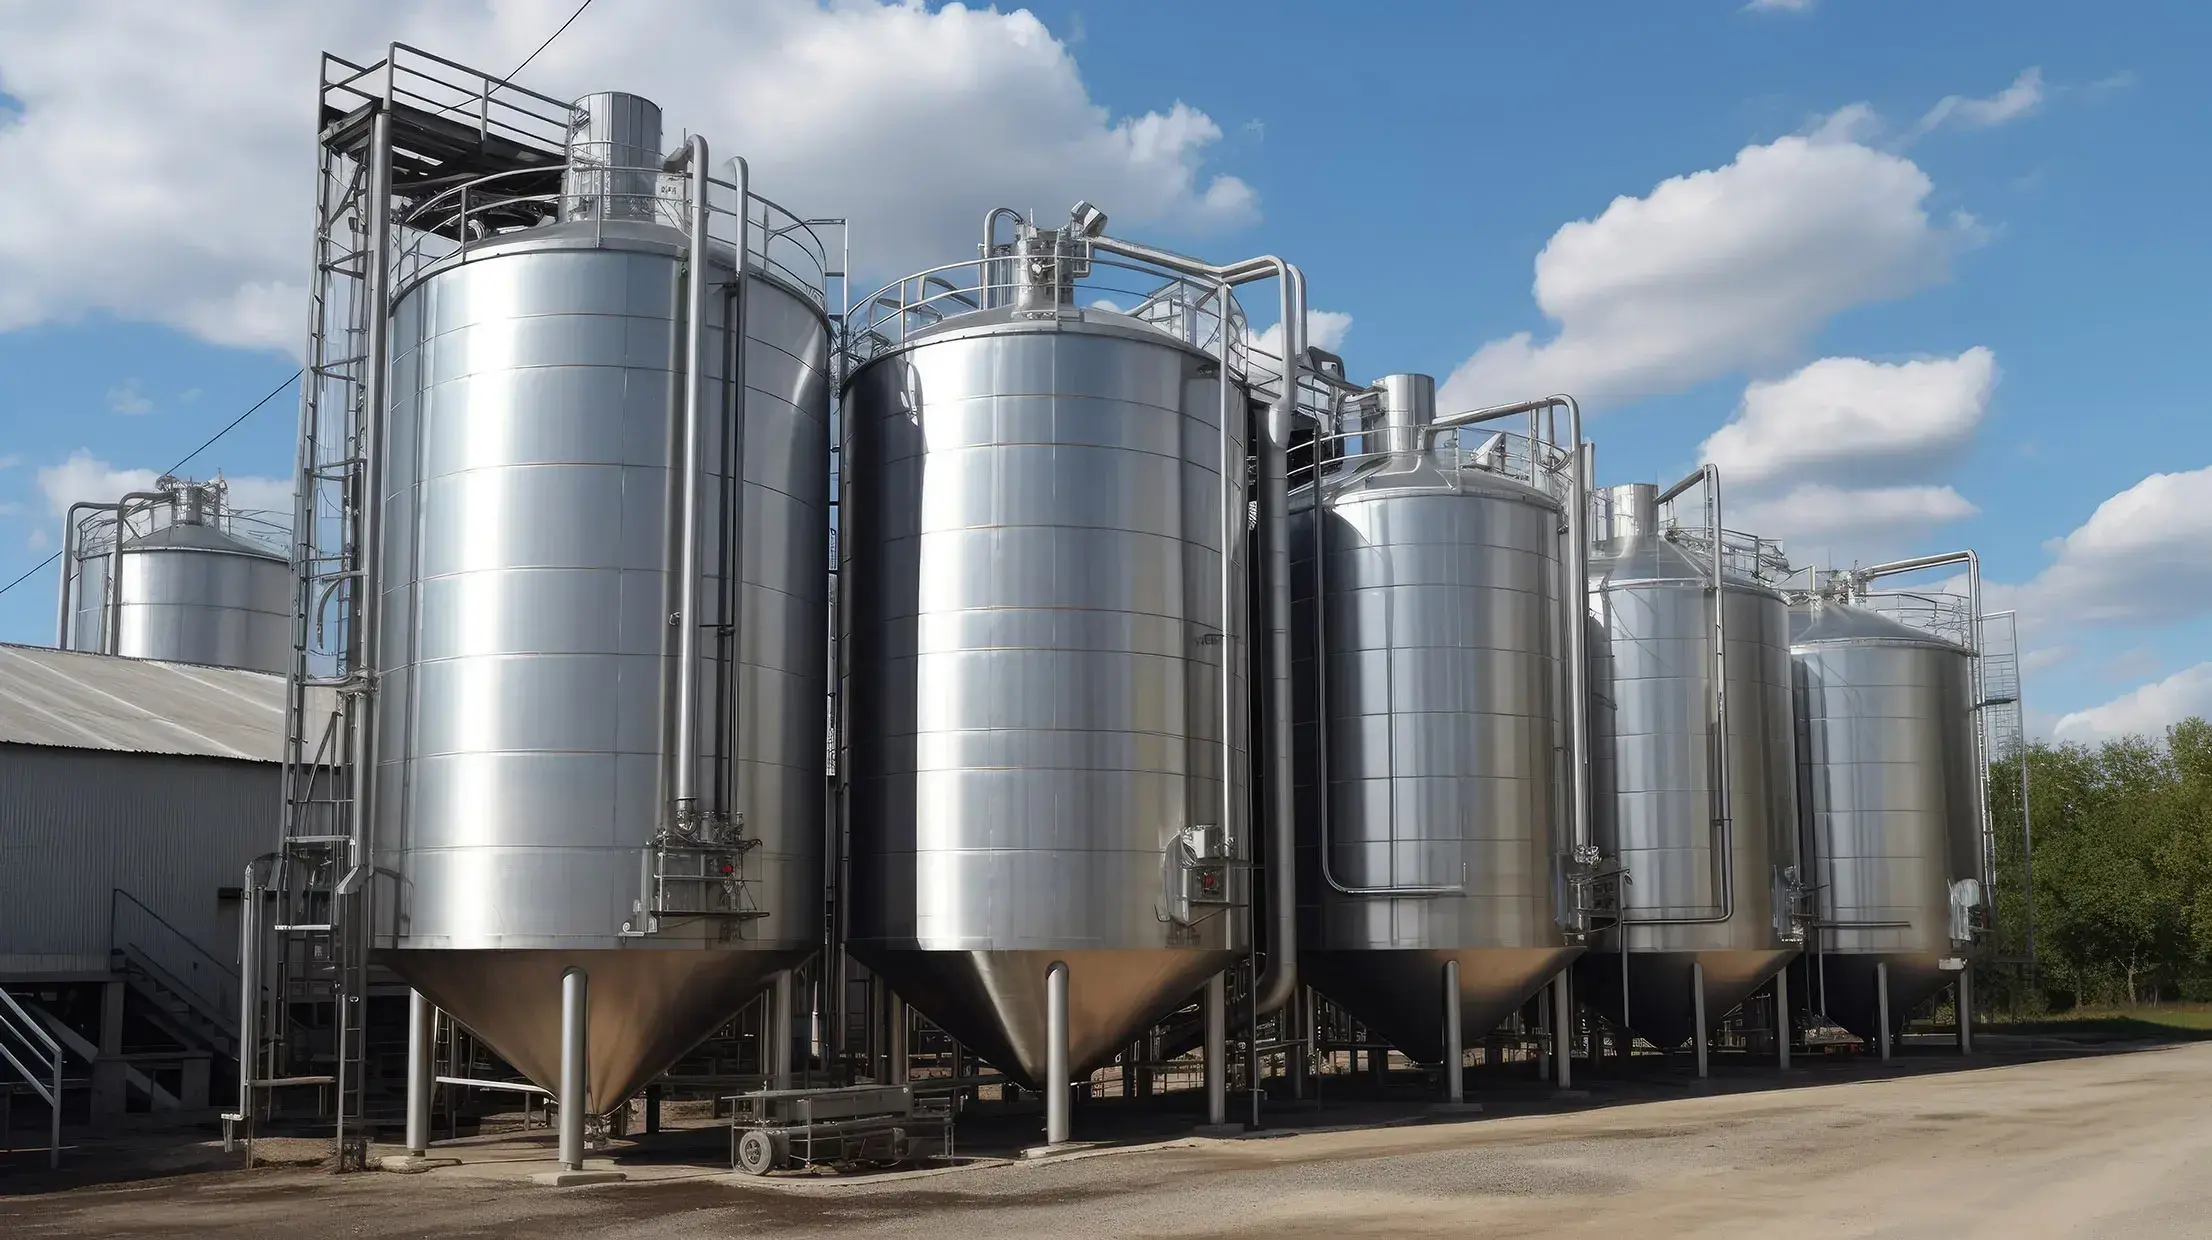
(75, 700)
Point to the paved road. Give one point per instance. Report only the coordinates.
(2116, 1145)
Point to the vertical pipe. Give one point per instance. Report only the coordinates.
(1563, 1027)
(1455, 1080)
(64, 629)
(779, 1031)
(1881, 1002)
(1216, 1007)
(689, 422)
(1782, 1019)
(1578, 655)
(1966, 1010)
(1056, 1054)
(1697, 1016)
(249, 996)
(422, 1074)
(111, 611)
(575, 1067)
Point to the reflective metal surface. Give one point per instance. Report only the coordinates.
(193, 592)
(1439, 590)
(1886, 714)
(1035, 640)
(527, 590)
(1651, 721)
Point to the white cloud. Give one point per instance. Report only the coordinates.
(1325, 330)
(125, 398)
(2045, 658)
(1779, 6)
(84, 478)
(249, 493)
(2139, 558)
(1818, 512)
(1847, 417)
(201, 106)
(1719, 271)
(10, 460)
(2020, 99)
(2146, 710)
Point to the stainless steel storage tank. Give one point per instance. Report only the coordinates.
(1893, 807)
(201, 581)
(1430, 638)
(1705, 833)
(1044, 655)
(532, 608)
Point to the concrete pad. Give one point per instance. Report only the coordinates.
(1454, 1108)
(414, 1164)
(576, 1179)
(1054, 1151)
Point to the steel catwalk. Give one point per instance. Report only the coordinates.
(1035, 638)
(1892, 821)
(528, 588)
(1651, 686)
(1438, 586)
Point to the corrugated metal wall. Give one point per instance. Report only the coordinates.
(78, 824)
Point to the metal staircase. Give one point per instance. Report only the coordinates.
(34, 1056)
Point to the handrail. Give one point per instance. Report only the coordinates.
(773, 237)
(19, 1023)
(187, 939)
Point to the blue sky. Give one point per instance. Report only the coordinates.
(2034, 243)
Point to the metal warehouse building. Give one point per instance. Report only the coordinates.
(132, 795)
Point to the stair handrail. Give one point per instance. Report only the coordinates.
(18, 1023)
(219, 1008)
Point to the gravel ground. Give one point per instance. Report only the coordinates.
(2112, 1145)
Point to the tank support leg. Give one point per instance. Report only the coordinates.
(575, 1068)
(1966, 1011)
(1563, 1029)
(1782, 1019)
(1056, 1054)
(779, 1031)
(1881, 1003)
(901, 1025)
(1455, 1071)
(422, 1073)
(1697, 1017)
(1216, 1005)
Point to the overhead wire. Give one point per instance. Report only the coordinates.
(233, 424)
(183, 461)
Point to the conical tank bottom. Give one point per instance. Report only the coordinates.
(994, 1001)
(1842, 987)
(1399, 993)
(1661, 1008)
(647, 1007)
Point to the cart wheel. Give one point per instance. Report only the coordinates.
(758, 1153)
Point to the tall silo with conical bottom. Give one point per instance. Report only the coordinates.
(1431, 643)
(1044, 643)
(1892, 809)
(550, 794)
(1693, 759)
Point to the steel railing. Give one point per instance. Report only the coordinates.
(39, 1063)
(1186, 309)
(499, 205)
(174, 960)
